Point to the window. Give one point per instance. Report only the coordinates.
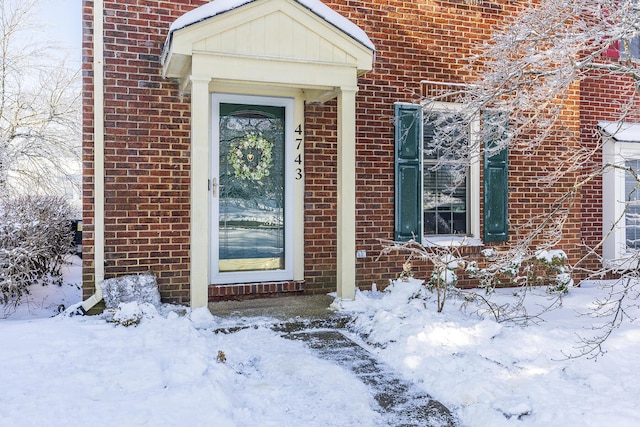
(437, 201)
(633, 44)
(621, 195)
(632, 214)
(628, 47)
(634, 49)
(621, 49)
(444, 183)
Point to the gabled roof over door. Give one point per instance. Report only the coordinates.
(301, 43)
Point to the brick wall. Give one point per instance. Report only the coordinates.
(88, 277)
(603, 97)
(146, 148)
(415, 41)
(147, 139)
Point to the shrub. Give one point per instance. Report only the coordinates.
(554, 266)
(515, 268)
(444, 259)
(35, 238)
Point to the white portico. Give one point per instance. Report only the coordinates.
(249, 63)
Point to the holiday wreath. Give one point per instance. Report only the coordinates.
(250, 157)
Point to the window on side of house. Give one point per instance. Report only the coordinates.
(621, 195)
(632, 213)
(625, 49)
(628, 48)
(634, 43)
(634, 48)
(437, 199)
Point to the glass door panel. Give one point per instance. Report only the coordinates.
(251, 188)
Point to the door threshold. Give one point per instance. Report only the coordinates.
(244, 291)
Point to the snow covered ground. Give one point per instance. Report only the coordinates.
(173, 370)
(498, 374)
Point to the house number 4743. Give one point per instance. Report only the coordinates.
(298, 153)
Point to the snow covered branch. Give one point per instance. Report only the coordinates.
(39, 109)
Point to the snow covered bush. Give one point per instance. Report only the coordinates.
(519, 268)
(443, 276)
(445, 260)
(516, 268)
(35, 238)
(556, 273)
(496, 269)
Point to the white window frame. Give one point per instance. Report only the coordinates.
(472, 238)
(614, 249)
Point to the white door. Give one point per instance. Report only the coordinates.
(251, 189)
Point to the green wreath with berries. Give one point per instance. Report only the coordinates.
(250, 157)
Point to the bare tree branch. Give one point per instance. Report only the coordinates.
(530, 71)
(39, 108)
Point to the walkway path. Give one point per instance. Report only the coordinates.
(400, 402)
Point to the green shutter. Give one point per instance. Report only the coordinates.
(408, 191)
(495, 180)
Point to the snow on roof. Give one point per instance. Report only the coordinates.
(621, 131)
(217, 7)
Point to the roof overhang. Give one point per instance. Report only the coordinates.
(291, 43)
(621, 131)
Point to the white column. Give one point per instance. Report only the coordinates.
(346, 206)
(98, 152)
(298, 196)
(200, 153)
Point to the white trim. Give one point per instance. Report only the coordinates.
(473, 185)
(199, 197)
(346, 194)
(98, 155)
(451, 240)
(614, 249)
(287, 273)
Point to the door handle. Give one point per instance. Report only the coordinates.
(213, 187)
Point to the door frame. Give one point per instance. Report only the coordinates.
(235, 277)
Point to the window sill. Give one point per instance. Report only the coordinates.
(451, 241)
